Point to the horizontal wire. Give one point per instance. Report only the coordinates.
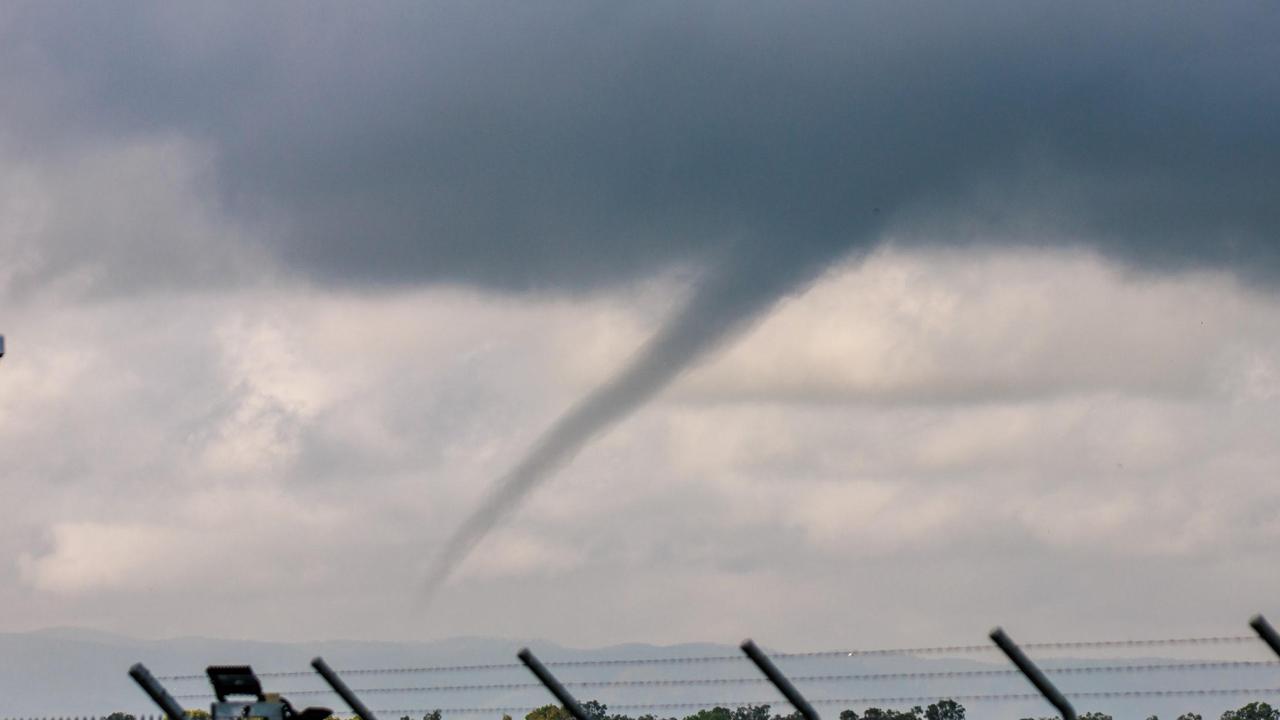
(940, 674)
(893, 700)
(939, 650)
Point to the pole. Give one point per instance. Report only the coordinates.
(546, 678)
(156, 692)
(1266, 632)
(341, 688)
(779, 680)
(1033, 673)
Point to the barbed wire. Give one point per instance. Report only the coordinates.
(889, 700)
(938, 650)
(858, 677)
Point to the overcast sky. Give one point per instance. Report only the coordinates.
(927, 317)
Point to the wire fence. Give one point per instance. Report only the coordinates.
(420, 694)
(704, 659)
(865, 701)
(853, 677)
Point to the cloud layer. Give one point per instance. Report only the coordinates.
(574, 146)
(941, 420)
(285, 287)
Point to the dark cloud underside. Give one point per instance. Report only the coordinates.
(581, 145)
(575, 145)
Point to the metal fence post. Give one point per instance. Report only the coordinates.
(1266, 632)
(546, 678)
(1033, 673)
(779, 680)
(156, 692)
(341, 688)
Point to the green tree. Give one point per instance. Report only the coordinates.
(595, 710)
(751, 712)
(848, 715)
(1253, 711)
(715, 713)
(1095, 716)
(872, 713)
(120, 716)
(549, 712)
(1190, 716)
(944, 710)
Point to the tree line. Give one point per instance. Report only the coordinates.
(941, 710)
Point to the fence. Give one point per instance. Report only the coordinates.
(769, 674)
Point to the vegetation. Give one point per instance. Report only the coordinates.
(941, 710)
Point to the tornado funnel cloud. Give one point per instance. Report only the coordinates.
(727, 300)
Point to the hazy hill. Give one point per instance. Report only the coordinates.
(73, 672)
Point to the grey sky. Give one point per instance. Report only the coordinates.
(284, 289)
(571, 145)
(914, 421)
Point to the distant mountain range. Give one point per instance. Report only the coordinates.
(72, 672)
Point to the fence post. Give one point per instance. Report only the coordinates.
(341, 688)
(779, 680)
(546, 678)
(156, 692)
(1266, 632)
(1033, 673)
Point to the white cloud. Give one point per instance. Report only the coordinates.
(91, 556)
(106, 219)
(516, 553)
(972, 327)
(983, 420)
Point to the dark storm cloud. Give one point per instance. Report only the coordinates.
(575, 145)
(524, 147)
